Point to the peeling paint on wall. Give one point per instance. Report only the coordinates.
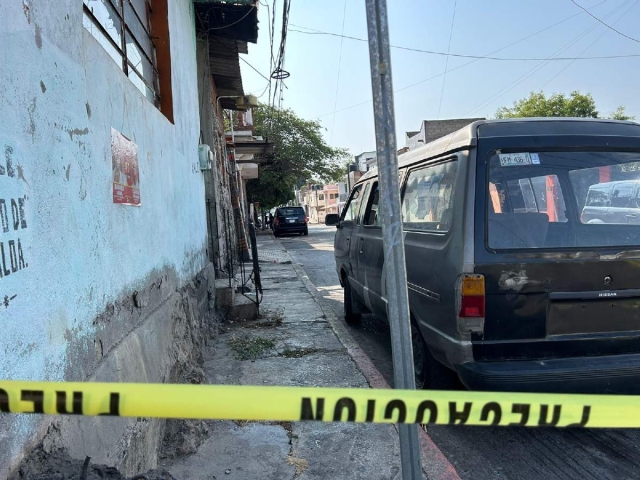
(38, 37)
(69, 251)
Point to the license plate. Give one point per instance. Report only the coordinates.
(518, 159)
(291, 220)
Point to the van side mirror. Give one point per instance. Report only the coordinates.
(332, 219)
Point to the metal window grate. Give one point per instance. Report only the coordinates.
(126, 33)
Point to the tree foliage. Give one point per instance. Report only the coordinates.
(537, 104)
(621, 114)
(300, 155)
(576, 104)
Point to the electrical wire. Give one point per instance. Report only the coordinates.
(603, 23)
(272, 32)
(477, 57)
(279, 73)
(589, 46)
(254, 69)
(263, 91)
(536, 68)
(446, 65)
(335, 103)
(232, 24)
(467, 63)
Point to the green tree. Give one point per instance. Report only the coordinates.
(537, 104)
(300, 155)
(621, 114)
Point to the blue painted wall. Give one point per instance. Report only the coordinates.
(60, 95)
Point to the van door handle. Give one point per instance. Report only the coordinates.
(361, 245)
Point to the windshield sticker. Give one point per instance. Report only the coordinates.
(517, 159)
(535, 159)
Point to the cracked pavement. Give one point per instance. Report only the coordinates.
(306, 352)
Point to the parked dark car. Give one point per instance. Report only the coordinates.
(290, 220)
(510, 286)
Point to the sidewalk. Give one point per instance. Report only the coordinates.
(293, 343)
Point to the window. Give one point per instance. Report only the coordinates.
(124, 29)
(321, 197)
(350, 211)
(597, 198)
(365, 196)
(428, 198)
(563, 199)
(287, 212)
(622, 195)
(371, 217)
(541, 194)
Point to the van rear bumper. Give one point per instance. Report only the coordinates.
(603, 374)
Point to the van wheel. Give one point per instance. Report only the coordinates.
(349, 315)
(429, 373)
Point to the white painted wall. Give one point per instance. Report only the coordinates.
(60, 95)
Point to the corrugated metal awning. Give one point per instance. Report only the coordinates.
(228, 25)
(225, 68)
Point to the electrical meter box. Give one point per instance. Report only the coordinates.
(206, 157)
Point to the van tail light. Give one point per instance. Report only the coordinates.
(306, 219)
(470, 303)
(276, 221)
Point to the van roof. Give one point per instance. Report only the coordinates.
(605, 185)
(468, 136)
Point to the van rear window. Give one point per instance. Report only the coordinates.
(291, 211)
(563, 200)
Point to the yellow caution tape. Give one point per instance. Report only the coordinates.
(224, 402)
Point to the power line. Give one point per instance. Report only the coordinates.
(254, 68)
(335, 103)
(446, 65)
(278, 72)
(234, 23)
(536, 68)
(271, 33)
(588, 46)
(468, 63)
(476, 57)
(272, 39)
(603, 23)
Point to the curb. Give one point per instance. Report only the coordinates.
(434, 464)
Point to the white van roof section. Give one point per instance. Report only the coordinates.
(467, 136)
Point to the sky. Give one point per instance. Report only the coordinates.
(330, 75)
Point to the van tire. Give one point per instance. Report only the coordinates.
(430, 374)
(350, 316)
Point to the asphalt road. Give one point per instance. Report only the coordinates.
(481, 452)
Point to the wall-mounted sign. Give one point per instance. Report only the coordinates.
(126, 170)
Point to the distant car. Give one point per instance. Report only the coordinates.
(290, 220)
(613, 203)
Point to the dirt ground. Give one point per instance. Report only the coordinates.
(59, 466)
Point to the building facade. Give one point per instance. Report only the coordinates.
(431, 130)
(112, 227)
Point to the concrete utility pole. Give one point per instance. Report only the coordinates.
(395, 271)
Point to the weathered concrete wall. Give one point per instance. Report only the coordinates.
(217, 191)
(79, 257)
